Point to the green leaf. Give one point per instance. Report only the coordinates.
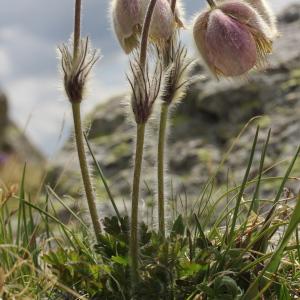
(277, 256)
(284, 293)
(226, 288)
(178, 227)
(121, 260)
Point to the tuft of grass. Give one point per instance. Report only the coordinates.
(231, 255)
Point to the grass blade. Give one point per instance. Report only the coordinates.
(103, 179)
(21, 210)
(242, 189)
(50, 191)
(254, 204)
(279, 193)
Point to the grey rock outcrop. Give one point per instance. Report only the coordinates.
(206, 122)
(13, 142)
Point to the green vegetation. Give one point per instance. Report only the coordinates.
(248, 250)
(239, 240)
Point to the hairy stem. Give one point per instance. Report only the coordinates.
(84, 169)
(86, 178)
(173, 5)
(134, 251)
(77, 25)
(161, 168)
(211, 3)
(140, 137)
(162, 142)
(145, 33)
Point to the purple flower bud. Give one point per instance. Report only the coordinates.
(179, 13)
(163, 20)
(263, 8)
(232, 38)
(126, 17)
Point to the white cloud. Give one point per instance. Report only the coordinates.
(29, 33)
(38, 102)
(5, 63)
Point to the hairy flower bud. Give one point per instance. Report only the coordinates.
(232, 38)
(76, 70)
(146, 86)
(128, 18)
(163, 20)
(179, 13)
(263, 8)
(176, 79)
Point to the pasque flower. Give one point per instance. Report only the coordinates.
(163, 21)
(128, 18)
(77, 69)
(232, 38)
(263, 8)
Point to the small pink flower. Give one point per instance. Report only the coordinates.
(232, 38)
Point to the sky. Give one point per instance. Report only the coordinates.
(30, 31)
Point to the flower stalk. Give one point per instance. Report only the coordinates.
(76, 68)
(140, 137)
(161, 144)
(211, 3)
(145, 33)
(139, 151)
(161, 167)
(86, 178)
(174, 66)
(77, 25)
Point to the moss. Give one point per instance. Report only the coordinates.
(290, 84)
(180, 119)
(250, 104)
(205, 155)
(103, 140)
(121, 150)
(295, 73)
(265, 122)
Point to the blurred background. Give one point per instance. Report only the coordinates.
(35, 114)
(30, 31)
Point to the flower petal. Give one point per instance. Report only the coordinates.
(231, 46)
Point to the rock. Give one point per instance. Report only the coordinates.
(16, 150)
(204, 125)
(291, 14)
(3, 114)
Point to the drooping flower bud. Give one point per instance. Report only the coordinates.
(179, 13)
(163, 20)
(76, 70)
(263, 8)
(232, 38)
(126, 18)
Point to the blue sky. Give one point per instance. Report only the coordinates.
(30, 30)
